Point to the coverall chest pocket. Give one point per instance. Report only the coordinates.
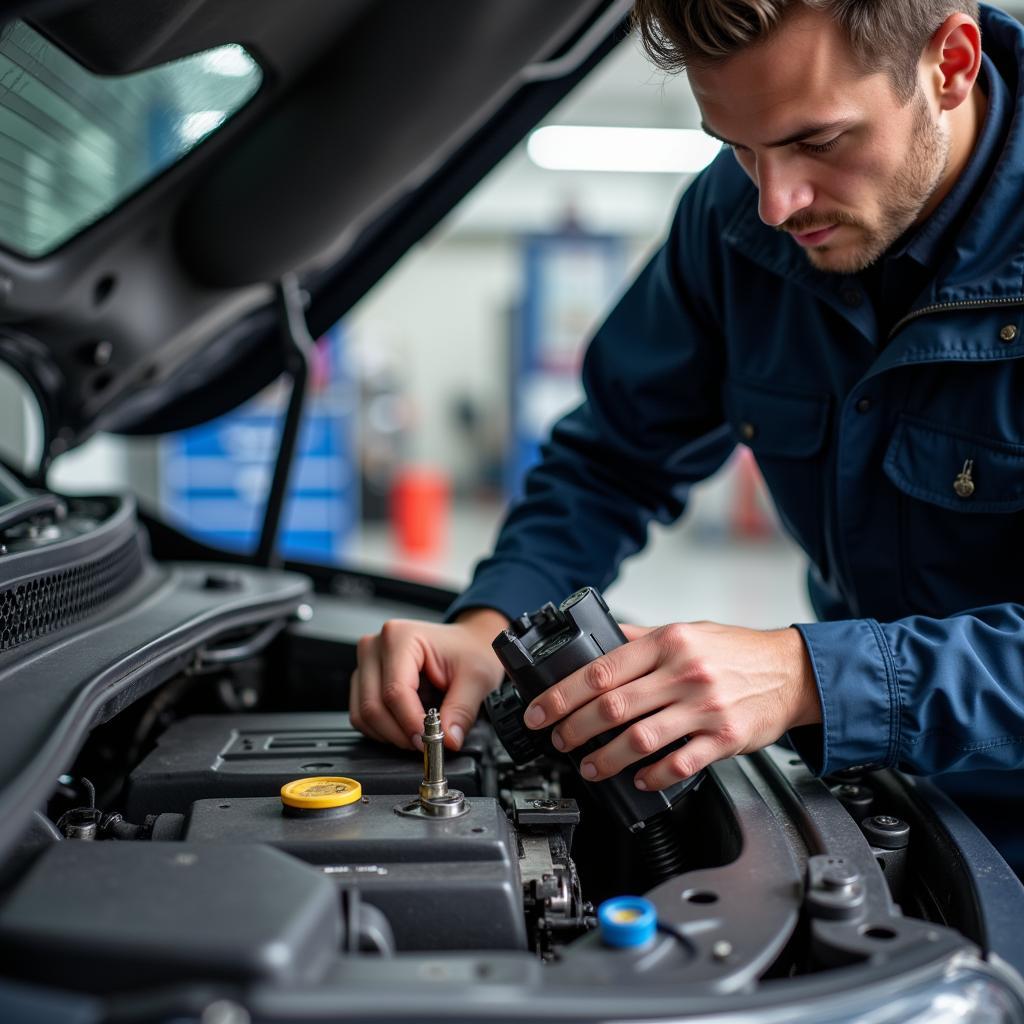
(786, 431)
(961, 509)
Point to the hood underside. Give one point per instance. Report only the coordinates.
(372, 120)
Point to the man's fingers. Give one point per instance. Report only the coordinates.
(682, 764)
(353, 702)
(640, 740)
(386, 702)
(360, 694)
(370, 702)
(400, 665)
(461, 706)
(635, 632)
(625, 663)
(613, 709)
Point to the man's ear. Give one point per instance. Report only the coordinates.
(952, 60)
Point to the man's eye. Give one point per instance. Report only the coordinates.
(823, 147)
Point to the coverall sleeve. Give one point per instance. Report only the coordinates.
(926, 695)
(652, 424)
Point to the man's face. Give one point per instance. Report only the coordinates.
(839, 162)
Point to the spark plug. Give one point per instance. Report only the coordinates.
(434, 783)
(436, 800)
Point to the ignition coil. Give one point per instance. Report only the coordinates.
(538, 650)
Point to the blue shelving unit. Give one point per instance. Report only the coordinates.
(215, 477)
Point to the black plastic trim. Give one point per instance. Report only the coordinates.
(56, 693)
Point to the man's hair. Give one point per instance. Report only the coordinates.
(889, 34)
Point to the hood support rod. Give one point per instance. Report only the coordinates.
(298, 350)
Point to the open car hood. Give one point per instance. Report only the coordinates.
(372, 121)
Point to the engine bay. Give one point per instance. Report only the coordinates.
(190, 819)
(193, 866)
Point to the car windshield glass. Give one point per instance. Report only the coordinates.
(74, 145)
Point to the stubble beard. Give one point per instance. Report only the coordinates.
(901, 203)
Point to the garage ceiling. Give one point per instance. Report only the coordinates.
(628, 91)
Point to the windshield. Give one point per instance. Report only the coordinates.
(74, 145)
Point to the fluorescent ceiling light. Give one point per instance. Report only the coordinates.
(562, 147)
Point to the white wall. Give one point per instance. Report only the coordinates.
(441, 316)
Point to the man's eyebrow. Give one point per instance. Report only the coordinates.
(807, 132)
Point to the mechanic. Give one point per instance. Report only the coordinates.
(841, 291)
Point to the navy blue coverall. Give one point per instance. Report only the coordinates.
(862, 429)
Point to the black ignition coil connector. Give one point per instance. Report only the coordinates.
(538, 650)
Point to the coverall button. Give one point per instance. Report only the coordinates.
(748, 431)
(963, 485)
(852, 297)
(865, 405)
(1008, 333)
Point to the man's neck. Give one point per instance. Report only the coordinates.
(965, 126)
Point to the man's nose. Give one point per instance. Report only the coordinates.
(782, 191)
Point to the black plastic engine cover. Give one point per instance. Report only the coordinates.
(116, 916)
(442, 884)
(255, 755)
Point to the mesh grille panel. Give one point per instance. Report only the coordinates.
(55, 600)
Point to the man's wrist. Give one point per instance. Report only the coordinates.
(807, 703)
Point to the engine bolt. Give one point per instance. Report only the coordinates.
(838, 877)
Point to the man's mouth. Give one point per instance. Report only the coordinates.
(811, 239)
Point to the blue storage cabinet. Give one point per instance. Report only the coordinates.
(215, 478)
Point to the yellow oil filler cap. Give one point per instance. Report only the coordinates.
(322, 793)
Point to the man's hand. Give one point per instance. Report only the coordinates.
(730, 690)
(457, 658)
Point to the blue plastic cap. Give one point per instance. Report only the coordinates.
(627, 922)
